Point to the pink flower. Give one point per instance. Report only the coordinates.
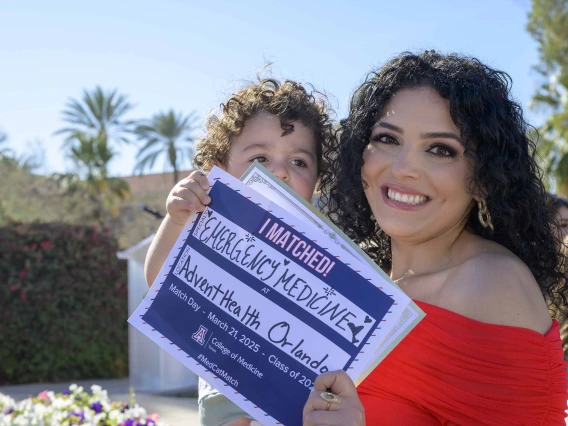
(153, 416)
(47, 245)
(42, 395)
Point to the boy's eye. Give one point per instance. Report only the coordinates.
(299, 163)
(260, 159)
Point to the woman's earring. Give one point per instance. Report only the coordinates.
(483, 215)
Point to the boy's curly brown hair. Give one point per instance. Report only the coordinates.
(288, 100)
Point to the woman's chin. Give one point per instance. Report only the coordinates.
(399, 231)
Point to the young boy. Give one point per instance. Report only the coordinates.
(284, 127)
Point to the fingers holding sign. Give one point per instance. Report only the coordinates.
(334, 401)
(189, 195)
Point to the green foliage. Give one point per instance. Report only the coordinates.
(548, 24)
(98, 114)
(92, 155)
(63, 304)
(168, 134)
(26, 197)
(95, 121)
(26, 162)
(4, 151)
(99, 199)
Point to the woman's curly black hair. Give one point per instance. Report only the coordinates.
(495, 134)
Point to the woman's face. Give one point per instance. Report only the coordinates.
(415, 169)
(562, 219)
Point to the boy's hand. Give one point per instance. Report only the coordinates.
(189, 195)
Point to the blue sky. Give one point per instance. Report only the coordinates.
(191, 55)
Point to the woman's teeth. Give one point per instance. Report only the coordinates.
(405, 198)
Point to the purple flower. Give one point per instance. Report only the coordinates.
(79, 415)
(8, 411)
(126, 406)
(66, 392)
(97, 407)
(129, 422)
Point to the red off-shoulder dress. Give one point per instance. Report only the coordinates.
(453, 370)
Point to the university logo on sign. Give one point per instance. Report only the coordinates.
(199, 335)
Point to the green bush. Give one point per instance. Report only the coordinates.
(63, 304)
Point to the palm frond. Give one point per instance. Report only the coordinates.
(98, 113)
(77, 114)
(147, 162)
(167, 134)
(150, 143)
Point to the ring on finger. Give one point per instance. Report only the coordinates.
(330, 398)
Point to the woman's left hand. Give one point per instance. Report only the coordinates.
(349, 412)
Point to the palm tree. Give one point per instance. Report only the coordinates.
(27, 163)
(98, 114)
(5, 152)
(91, 156)
(7, 155)
(547, 25)
(167, 133)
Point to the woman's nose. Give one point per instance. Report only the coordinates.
(406, 165)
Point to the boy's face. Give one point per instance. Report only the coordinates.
(291, 158)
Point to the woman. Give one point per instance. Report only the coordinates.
(560, 206)
(434, 175)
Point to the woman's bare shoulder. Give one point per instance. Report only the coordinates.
(496, 287)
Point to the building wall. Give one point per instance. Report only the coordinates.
(150, 183)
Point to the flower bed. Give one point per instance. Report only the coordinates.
(63, 304)
(74, 407)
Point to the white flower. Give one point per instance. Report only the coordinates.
(56, 409)
(39, 409)
(20, 421)
(114, 414)
(98, 417)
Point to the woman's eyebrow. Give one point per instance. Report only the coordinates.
(441, 135)
(388, 126)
